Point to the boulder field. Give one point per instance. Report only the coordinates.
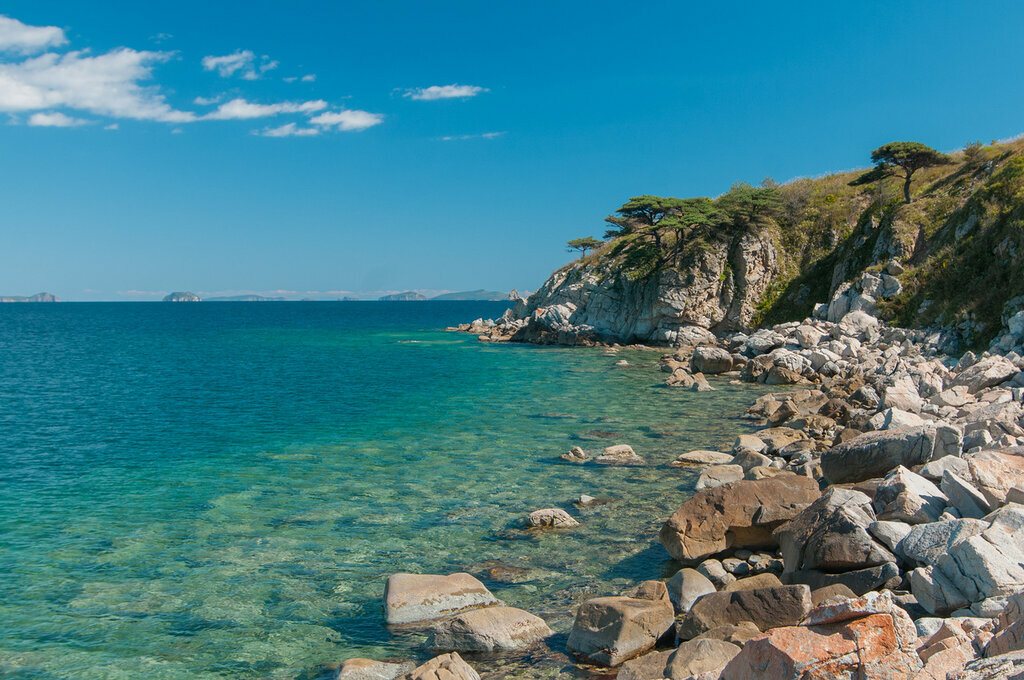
(871, 527)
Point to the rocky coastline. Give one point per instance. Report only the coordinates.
(873, 527)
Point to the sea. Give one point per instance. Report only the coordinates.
(220, 490)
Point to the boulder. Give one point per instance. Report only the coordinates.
(859, 581)
(650, 590)
(987, 372)
(963, 496)
(829, 593)
(996, 473)
(493, 629)
(991, 563)
(895, 419)
(937, 594)
(748, 460)
(680, 377)
(903, 396)
(703, 458)
(554, 518)
(412, 598)
(368, 669)
(710, 360)
(576, 455)
(610, 630)
(926, 543)
(874, 647)
(620, 454)
(764, 607)
(740, 514)
(875, 454)
(1009, 633)
(1003, 667)
(690, 659)
(859, 325)
(764, 580)
(889, 533)
(907, 497)
(933, 470)
(444, 667)
(832, 535)
(685, 586)
(778, 375)
(719, 475)
(737, 634)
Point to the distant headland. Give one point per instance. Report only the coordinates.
(38, 297)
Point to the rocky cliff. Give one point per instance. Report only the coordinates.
(950, 259)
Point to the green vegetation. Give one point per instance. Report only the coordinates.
(961, 240)
(908, 157)
(584, 244)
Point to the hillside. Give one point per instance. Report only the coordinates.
(38, 297)
(755, 255)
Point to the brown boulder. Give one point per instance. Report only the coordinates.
(444, 667)
(689, 659)
(493, 629)
(610, 630)
(739, 514)
(411, 598)
(764, 607)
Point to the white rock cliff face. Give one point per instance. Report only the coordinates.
(584, 303)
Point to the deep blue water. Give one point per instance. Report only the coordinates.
(219, 490)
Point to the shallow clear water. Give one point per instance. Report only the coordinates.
(220, 490)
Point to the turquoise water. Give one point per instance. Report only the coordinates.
(220, 490)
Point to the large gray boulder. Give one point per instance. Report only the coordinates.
(987, 372)
(907, 497)
(610, 630)
(926, 543)
(875, 454)
(686, 586)
(832, 535)
(494, 629)
(413, 598)
(710, 360)
(991, 563)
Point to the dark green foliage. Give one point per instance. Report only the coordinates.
(748, 205)
(584, 244)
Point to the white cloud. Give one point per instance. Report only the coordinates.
(348, 120)
(18, 37)
(288, 130)
(107, 84)
(227, 65)
(240, 109)
(309, 78)
(242, 62)
(207, 101)
(112, 126)
(435, 92)
(54, 119)
(459, 138)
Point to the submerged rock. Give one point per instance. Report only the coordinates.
(493, 629)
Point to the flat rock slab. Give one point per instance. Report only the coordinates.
(493, 629)
(412, 598)
(368, 669)
(875, 454)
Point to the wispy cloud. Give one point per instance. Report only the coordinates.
(435, 92)
(18, 37)
(348, 120)
(242, 109)
(308, 78)
(288, 130)
(242, 62)
(207, 101)
(54, 119)
(483, 135)
(108, 84)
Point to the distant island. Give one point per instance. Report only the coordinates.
(479, 294)
(244, 298)
(490, 295)
(38, 297)
(182, 297)
(407, 296)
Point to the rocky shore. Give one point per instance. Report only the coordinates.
(873, 527)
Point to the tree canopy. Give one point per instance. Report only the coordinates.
(584, 244)
(901, 159)
(749, 204)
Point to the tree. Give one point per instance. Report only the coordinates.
(644, 215)
(747, 204)
(896, 157)
(693, 218)
(583, 244)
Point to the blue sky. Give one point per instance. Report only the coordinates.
(328, 148)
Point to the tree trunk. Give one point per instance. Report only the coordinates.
(906, 186)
